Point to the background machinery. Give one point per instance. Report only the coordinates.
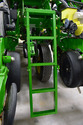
(52, 32)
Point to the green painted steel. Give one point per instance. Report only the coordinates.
(71, 44)
(7, 43)
(30, 12)
(43, 18)
(3, 76)
(37, 14)
(43, 64)
(6, 59)
(43, 4)
(41, 38)
(10, 43)
(43, 90)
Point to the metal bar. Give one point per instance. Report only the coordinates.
(55, 60)
(43, 64)
(0, 53)
(41, 37)
(3, 80)
(42, 113)
(22, 6)
(43, 90)
(40, 11)
(54, 64)
(29, 63)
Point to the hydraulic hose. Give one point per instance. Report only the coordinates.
(76, 2)
(7, 8)
(64, 3)
(10, 26)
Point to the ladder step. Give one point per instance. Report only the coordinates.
(42, 113)
(41, 37)
(34, 91)
(43, 64)
(41, 11)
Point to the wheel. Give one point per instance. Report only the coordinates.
(10, 106)
(25, 50)
(70, 69)
(44, 56)
(59, 53)
(14, 70)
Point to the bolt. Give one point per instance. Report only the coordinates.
(80, 57)
(67, 69)
(20, 35)
(40, 23)
(12, 59)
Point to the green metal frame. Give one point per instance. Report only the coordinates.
(25, 18)
(7, 43)
(10, 41)
(36, 12)
(3, 75)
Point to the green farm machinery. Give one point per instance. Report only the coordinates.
(52, 34)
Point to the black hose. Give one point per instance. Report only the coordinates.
(64, 3)
(75, 2)
(10, 26)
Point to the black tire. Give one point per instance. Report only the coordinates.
(10, 106)
(14, 70)
(70, 69)
(44, 56)
(25, 50)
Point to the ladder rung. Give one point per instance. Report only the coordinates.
(41, 37)
(40, 11)
(43, 64)
(42, 113)
(43, 90)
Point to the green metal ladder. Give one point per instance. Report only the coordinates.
(54, 63)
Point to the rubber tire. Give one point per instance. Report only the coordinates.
(14, 70)
(25, 50)
(45, 56)
(10, 107)
(69, 60)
